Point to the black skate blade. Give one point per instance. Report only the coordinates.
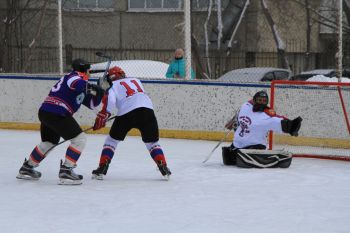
(69, 182)
(26, 177)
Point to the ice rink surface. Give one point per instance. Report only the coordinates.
(312, 196)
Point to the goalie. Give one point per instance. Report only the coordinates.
(251, 125)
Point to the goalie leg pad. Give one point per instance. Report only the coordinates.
(229, 155)
(263, 159)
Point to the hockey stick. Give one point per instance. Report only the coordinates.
(235, 115)
(221, 141)
(85, 130)
(104, 78)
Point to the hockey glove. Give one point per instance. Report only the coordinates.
(291, 127)
(95, 90)
(232, 124)
(105, 82)
(296, 124)
(101, 120)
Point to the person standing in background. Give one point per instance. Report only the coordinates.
(177, 67)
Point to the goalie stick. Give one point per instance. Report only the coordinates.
(103, 82)
(234, 118)
(221, 141)
(85, 130)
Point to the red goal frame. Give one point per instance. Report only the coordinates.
(338, 85)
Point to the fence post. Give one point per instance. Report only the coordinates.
(69, 54)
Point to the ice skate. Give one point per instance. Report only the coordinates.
(100, 171)
(27, 172)
(164, 170)
(68, 176)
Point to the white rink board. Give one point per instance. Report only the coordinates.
(202, 106)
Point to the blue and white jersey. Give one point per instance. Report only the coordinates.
(68, 94)
(253, 126)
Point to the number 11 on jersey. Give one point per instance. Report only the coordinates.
(130, 91)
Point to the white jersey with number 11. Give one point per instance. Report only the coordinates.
(126, 95)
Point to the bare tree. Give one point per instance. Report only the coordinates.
(308, 35)
(346, 8)
(318, 17)
(13, 13)
(36, 36)
(281, 47)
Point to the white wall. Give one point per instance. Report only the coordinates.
(191, 105)
(200, 106)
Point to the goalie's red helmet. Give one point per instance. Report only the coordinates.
(116, 73)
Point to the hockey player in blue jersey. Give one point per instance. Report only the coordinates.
(56, 118)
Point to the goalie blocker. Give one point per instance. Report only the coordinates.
(250, 158)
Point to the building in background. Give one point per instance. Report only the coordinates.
(152, 29)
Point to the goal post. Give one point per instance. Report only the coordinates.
(324, 107)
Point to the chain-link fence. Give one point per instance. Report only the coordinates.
(296, 35)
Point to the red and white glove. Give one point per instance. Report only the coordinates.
(101, 120)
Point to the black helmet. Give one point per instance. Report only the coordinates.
(80, 65)
(260, 99)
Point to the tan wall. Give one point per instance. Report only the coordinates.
(160, 31)
(123, 29)
(290, 19)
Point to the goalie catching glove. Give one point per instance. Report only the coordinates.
(101, 120)
(291, 126)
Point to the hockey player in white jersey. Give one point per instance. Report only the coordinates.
(134, 109)
(252, 124)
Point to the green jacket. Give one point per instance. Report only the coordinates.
(177, 69)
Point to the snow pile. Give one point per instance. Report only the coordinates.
(322, 78)
(136, 68)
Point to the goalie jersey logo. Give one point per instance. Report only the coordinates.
(244, 123)
(254, 126)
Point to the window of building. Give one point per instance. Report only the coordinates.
(170, 5)
(92, 5)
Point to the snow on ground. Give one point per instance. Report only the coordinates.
(322, 78)
(312, 196)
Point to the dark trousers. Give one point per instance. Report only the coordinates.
(142, 119)
(53, 127)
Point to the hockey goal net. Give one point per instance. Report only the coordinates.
(325, 129)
